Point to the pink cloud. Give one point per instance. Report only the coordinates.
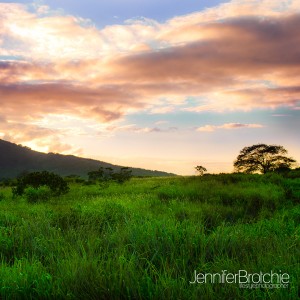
(211, 128)
(105, 103)
(218, 64)
(70, 67)
(137, 129)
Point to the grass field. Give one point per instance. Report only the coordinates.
(144, 239)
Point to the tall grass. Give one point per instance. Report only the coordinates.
(145, 238)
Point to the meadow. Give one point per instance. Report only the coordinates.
(145, 238)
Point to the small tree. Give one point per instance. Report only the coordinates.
(107, 175)
(96, 175)
(122, 176)
(200, 170)
(262, 158)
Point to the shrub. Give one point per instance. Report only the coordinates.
(35, 180)
(2, 196)
(292, 189)
(34, 195)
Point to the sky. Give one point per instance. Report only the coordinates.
(163, 85)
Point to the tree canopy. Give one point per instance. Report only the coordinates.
(200, 170)
(107, 174)
(262, 158)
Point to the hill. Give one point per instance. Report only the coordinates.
(15, 159)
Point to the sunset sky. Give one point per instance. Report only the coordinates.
(157, 84)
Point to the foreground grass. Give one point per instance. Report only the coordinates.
(144, 239)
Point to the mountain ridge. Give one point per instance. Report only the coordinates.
(15, 159)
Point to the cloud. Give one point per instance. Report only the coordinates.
(225, 66)
(53, 144)
(157, 129)
(32, 35)
(2, 119)
(36, 31)
(162, 109)
(161, 122)
(240, 55)
(105, 103)
(211, 128)
(137, 129)
(51, 35)
(24, 133)
(38, 137)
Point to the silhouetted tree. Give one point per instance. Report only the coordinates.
(122, 176)
(262, 158)
(108, 174)
(200, 170)
(96, 175)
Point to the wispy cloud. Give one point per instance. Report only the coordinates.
(138, 129)
(280, 115)
(161, 122)
(211, 128)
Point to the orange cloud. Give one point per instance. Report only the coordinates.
(105, 103)
(40, 138)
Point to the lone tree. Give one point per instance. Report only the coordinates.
(262, 158)
(200, 170)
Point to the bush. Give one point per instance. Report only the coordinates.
(292, 189)
(293, 174)
(35, 180)
(2, 196)
(34, 195)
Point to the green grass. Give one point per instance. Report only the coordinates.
(145, 238)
